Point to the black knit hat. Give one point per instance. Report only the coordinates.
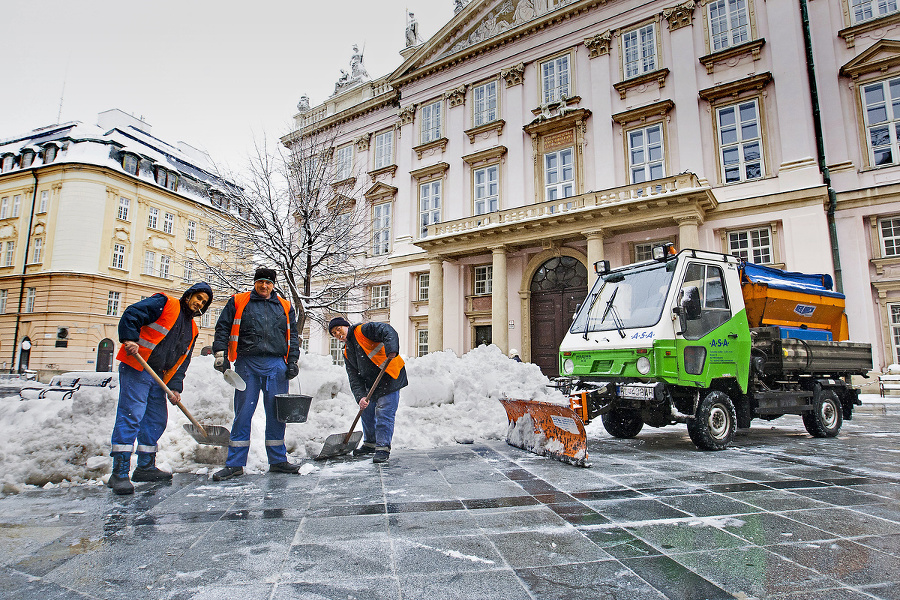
(264, 273)
(337, 322)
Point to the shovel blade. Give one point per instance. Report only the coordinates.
(235, 380)
(215, 434)
(547, 429)
(335, 445)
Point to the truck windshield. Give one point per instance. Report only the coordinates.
(625, 300)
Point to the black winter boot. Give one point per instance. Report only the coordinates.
(366, 448)
(118, 480)
(382, 454)
(147, 470)
(228, 473)
(284, 467)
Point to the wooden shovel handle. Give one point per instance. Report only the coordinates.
(169, 393)
(369, 397)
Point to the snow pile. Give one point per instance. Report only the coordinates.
(449, 399)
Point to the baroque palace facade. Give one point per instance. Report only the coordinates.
(528, 139)
(94, 218)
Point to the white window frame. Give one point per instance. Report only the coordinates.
(188, 271)
(336, 349)
(164, 264)
(639, 55)
(430, 118)
(149, 262)
(131, 164)
(30, 296)
(112, 304)
(882, 137)
(17, 202)
(168, 223)
(889, 234)
(380, 295)
(124, 207)
(118, 256)
(381, 228)
(867, 10)
(430, 201)
(4, 297)
(422, 341)
(728, 22)
(153, 218)
(343, 162)
(483, 280)
(422, 282)
(191, 233)
(556, 78)
(37, 250)
(485, 105)
(893, 310)
(45, 202)
(384, 149)
(4, 207)
(9, 161)
(753, 245)
(736, 149)
(486, 192)
(646, 155)
(557, 183)
(9, 254)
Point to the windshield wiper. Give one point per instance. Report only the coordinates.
(609, 305)
(620, 325)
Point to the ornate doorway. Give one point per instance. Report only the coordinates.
(557, 287)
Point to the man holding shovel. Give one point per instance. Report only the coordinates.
(366, 347)
(161, 330)
(257, 330)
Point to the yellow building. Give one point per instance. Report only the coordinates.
(92, 219)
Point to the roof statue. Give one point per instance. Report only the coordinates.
(357, 73)
(458, 5)
(412, 31)
(303, 105)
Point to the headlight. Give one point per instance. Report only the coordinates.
(568, 366)
(643, 365)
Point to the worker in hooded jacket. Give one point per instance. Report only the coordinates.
(368, 346)
(257, 331)
(161, 329)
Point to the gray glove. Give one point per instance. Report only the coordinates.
(221, 363)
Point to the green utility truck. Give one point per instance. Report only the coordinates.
(705, 339)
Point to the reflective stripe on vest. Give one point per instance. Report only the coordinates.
(151, 335)
(240, 303)
(375, 352)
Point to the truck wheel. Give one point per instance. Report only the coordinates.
(713, 427)
(827, 416)
(623, 424)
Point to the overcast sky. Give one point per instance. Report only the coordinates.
(216, 74)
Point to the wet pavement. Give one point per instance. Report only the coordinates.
(778, 515)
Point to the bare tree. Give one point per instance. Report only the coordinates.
(296, 211)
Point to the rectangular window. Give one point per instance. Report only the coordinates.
(4, 207)
(188, 271)
(37, 253)
(30, 294)
(487, 189)
(381, 229)
(168, 223)
(740, 141)
(343, 163)
(164, 266)
(124, 204)
(559, 174)
(9, 162)
(639, 51)
(484, 103)
(384, 149)
(153, 218)
(431, 122)
(381, 295)
(483, 280)
(130, 164)
(191, 231)
(752, 245)
(342, 226)
(881, 104)
(729, 23)
(865, 10)
(336, 350)
(422, 342)
(118, 256)
(890, 236)
(304, 342)
(4, 296)
(112, 305)
(429, 206)
(555, 79)
(17, 201)
(895, 330)
(149, 263)
(10, 254)
(45, 201)
(646, 154)
(422, 287)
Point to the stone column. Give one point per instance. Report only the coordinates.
(688, 232)
(499, 300)
(436, 304)
(594, 249)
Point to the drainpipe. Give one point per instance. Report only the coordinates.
(820, 148)
(12, 365)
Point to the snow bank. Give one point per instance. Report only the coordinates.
(449, 399)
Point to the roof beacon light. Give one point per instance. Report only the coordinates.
(663, 251)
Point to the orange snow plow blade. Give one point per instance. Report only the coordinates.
(547, 429)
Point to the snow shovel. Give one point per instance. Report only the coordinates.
(212, 435)
(547, 429)
(234, 380)
(337, 444)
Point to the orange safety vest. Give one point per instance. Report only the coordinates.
(375, 352)
(153, 334)
(240, 302)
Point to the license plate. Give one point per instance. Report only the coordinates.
(636, 392)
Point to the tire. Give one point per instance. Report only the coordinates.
(827, 416)
(621, 423)
(714, 425)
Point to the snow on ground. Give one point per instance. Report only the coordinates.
(449, 399)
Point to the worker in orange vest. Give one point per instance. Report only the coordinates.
(367, 347)
(257, 331)
(161, 329)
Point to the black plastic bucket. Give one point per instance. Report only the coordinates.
(292, 408)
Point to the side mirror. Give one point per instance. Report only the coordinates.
(690, 303)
